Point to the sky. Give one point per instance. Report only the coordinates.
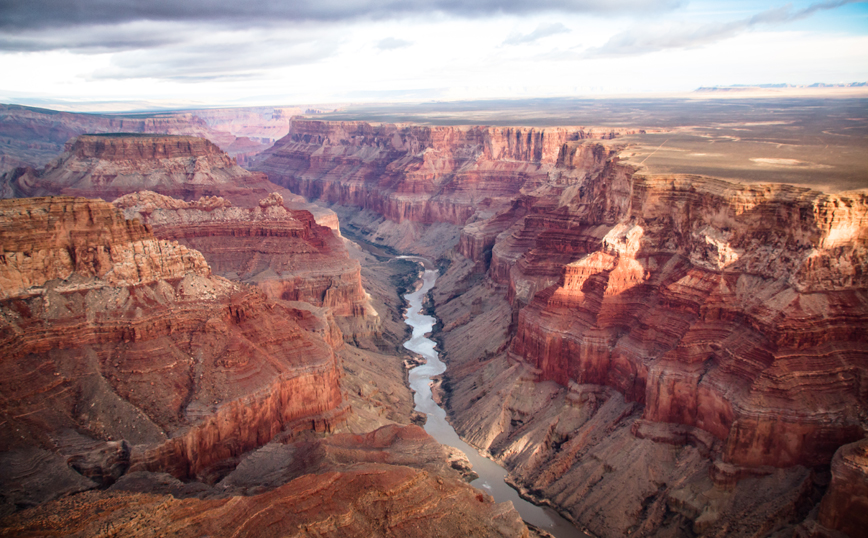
(262, 52)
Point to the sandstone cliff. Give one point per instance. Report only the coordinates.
(414, 176)
(121, 351)
(284, 252)
(682, 310)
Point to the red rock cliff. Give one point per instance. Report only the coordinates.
(415, 173)
(282, 251)
(108, 166)
(113, 336)
(715, 305)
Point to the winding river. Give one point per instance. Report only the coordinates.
(491, 474)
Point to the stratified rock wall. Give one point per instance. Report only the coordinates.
(284, 252)
(739, 310)
(113, 336)
(108, 166)
(413, 173)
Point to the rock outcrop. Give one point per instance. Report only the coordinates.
(391, 482)
(245, 230)
(121, 352)
(282, 251)
(678, 310)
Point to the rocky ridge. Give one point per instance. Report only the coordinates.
(108, 166)
(391, 482)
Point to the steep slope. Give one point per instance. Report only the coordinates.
(283, 252)
(677, 311)
(108, 166)
(414, 176)
(121, 351)
(293, 258)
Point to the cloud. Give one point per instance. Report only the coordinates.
(219, 56)
(105, 38)
(543, 30)
(18, 15)
(646, 39)
(391, 43)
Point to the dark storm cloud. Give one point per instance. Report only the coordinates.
(543, 30)
(95, 39)
(18, 15)
(656, 38)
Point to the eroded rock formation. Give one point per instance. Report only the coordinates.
(121, 351)
(725, 318)
(107, 166)
(412, 175)
(282, 251)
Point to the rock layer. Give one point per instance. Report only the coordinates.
(282, 251)
(108, 166)
(121, 350)
(414, 175)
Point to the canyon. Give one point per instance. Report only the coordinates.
(193, 346)
(135, 374)
(689, 349)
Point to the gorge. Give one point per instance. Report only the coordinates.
(650, 354)
(675, 343)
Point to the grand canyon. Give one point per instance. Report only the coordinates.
(656, 325)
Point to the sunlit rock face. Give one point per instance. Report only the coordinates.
(283, 251)
(122, 351)
(739, 310)
(637, 314)
(650, 353)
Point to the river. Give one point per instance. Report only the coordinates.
(491, 474)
